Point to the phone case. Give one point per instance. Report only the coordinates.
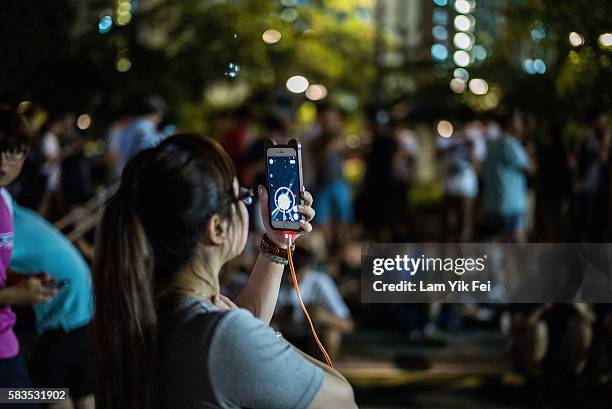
(295, 144)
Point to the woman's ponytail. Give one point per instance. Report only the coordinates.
(150, 229)
(124, 285)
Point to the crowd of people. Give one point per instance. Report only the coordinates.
(169, 253)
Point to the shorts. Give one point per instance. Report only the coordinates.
(62, 359)
(333, 201)
(14, 374)
(506, 224)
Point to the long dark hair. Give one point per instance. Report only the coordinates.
(149, 230)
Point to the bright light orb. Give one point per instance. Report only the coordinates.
(439, 52)
(462, 74)
(297, 84)
(124, 18)
(605, 40)
(479, 86)
(123, 64)
(539, 66)
(83, 121)
(457, 85)
(316, 92)
(439, 33)
(461, 58)
(480, 53)
(105, 24)
(462, 23)
(528, 66)
(576, 39)
(462, 41)
(271, 36)
(445, 129)
(462, 6)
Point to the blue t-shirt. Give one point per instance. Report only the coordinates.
(139, 134)
(504, 178)
(39, 247)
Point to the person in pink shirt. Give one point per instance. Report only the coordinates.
(15, 140)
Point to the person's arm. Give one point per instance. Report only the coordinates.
(251, 367)
(517, 156)
(26, 292)
(260, 293)
(335, 391)
(325, 318)
(331, 310)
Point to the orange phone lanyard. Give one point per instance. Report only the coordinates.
(312, 328)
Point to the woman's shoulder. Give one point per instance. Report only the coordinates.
(195, 314)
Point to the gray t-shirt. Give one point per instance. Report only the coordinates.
(213, 358)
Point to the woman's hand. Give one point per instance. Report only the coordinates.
(30, 291)
(276, 235)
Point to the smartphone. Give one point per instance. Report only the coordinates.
(58, 284)
(285, 184)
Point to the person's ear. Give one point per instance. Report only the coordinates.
(216, 230)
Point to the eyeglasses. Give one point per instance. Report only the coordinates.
(13, 155)
(245, 195)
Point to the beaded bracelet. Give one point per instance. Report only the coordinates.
(273, 252)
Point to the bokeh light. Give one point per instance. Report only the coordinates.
(462, 6)
(439, 33)
(605, 40)
(124, 64)
(439, 52)
(440, 3)
(440, 16)
(445, 129)
(83, 121)
(105, 24)
(457, 85)
(480, 53)
(539, 66)
(538, 32)
(462, 74)
(271, 36)
(461, 58)
(576, 39)
(353, 141)
(316, 92)
(289, 14)
(478, 86)
(528, 66)
(297, 84)
(462, 41)
(462, 23)
(349, 102)
(233, 70)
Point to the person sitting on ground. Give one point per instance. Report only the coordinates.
(323, 301)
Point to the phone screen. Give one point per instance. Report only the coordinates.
(283, 180)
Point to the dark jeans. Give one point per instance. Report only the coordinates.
(14, 374)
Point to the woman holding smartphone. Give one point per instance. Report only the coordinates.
(165, 336)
